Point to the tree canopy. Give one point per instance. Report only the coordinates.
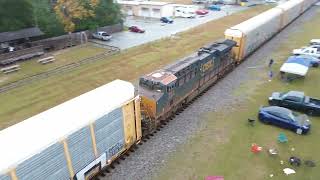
(15, 15)
(59, 17)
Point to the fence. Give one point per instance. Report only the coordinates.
(23, 54)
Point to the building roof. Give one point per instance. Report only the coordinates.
(27, 138)
(20, 34)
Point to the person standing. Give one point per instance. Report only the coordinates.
(271, 61)
(270, 75)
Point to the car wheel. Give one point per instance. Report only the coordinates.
(272, 103)
(310, 112)
(265, 121)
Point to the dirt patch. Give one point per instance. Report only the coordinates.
(2, 79)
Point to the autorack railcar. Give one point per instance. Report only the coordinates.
(254, 32)
(75, 139)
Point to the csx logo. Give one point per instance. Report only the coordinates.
(208, 65)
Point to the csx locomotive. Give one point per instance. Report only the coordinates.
(165, 91)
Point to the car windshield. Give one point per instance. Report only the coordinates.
(282, 112)
(292, 116)
(105, 34)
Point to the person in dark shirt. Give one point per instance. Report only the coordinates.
(270, 63)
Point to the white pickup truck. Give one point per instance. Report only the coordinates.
(185, 12)
(315, 41)
(101, 35)
(313, 50)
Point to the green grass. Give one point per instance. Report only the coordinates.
(222, 147)
(62, 57)
(36, 97)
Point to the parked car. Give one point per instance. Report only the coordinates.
(185, 12)
(202, 11)
(215, 2)
(199, 1)
(296, 100)
(215, 8)
(315, 62)
(315, 42)
(136, 29)
(271, 1)
(313, 50)
(285, 118)
(166, 20)
(101, 35)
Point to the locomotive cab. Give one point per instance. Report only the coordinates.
(155, 90)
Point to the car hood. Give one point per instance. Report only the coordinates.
(275, 95)
(303, 120)
(296, 51)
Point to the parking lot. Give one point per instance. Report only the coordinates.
(156, 30)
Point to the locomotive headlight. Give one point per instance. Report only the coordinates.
(270, 98)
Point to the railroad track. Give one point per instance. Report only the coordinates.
(61, 69)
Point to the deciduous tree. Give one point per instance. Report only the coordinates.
(72, 11)
(15, 15)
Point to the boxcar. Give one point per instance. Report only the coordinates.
(73, 140)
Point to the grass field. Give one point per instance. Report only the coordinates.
(62, 57)
(29, 100)
(223, 146)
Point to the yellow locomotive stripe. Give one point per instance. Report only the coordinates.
(68, 157)
(93, 139)
(241, 48)
(13, 174)
(138, 119)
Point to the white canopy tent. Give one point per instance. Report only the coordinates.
(294, 68)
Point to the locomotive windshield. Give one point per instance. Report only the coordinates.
(151, 85)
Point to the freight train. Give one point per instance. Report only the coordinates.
(77, 139)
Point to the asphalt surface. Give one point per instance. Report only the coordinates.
(155, 30)
(145, 162)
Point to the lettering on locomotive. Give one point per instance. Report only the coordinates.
(207, 66)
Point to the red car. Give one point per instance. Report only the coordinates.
(202, 12)
(136, 29)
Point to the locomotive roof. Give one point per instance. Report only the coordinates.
(161, 76)
(182, 63)
(215, 49)
(167, 74)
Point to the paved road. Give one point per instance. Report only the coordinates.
(156, 30)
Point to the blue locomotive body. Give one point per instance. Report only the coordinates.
(165, 91)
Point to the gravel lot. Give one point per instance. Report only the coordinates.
(143, 164)
(156, 30)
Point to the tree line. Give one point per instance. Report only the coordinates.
(57, 17)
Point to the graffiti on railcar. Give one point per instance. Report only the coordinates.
(115, 149)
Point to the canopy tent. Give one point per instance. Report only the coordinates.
(296, 65)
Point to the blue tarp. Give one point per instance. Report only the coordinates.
(299, 60)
